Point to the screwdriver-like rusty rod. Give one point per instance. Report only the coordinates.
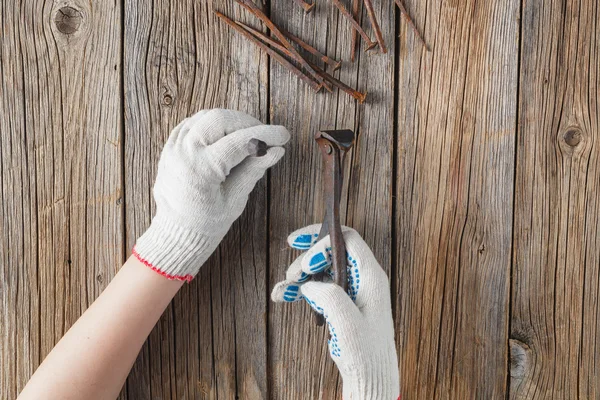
(334, 145)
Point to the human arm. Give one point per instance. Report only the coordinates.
(360, 322)
(94, 357)
(204, 178)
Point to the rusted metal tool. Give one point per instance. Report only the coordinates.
(334, 145)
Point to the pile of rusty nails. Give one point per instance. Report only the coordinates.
(279, 45)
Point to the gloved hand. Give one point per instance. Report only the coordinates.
(360, 322)
(204, 178)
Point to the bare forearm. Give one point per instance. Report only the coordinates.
(93, 359)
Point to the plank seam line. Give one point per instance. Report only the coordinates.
(583, 293)
(514, 221)
(395, 195)
(268, 353)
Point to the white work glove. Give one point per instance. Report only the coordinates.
(360, 322)
(205, 175)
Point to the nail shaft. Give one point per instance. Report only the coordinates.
(306, 6)
(342, 86)
(355, 24)
(375, 24)
(355, 37)
(327, 77)
(335, 64)
(250, 6)
(275, 44)
(307, 79)
(411, 23)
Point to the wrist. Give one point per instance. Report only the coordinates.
(172, 251)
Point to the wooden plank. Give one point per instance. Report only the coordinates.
(456, 134)
(60, 143)
(299, 362)
(212, 342)
(555, 314)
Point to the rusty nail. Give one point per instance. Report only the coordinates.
(342, 86)
(335, 64)
(252, 8)
(274, 43)
(306, 78)
(411, 23)
(355, 37)
(355, 25)
(375, 24)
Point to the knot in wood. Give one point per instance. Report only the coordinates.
(167, 99)
(572, 136)
(520, 359)
(68, 20)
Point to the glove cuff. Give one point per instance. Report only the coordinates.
(378, 382)
(369, 387)
(172, 251)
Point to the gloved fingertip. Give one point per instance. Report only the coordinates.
(330, 297)
(260, 164)
(295, 273)
(276, 293)
(256, 167)
(274, 154)
(175, 133)
(304, 238)
(315, 262)
(279, 134)
(286, 291)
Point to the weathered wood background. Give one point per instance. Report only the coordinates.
(475, 181)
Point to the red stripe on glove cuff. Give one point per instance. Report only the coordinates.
(185, 278)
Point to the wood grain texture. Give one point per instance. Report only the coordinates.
(212, 342)
(306, 370)
(60, 143)
(456, 150)
(555, 314)
(298, 370)
(482, 206)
